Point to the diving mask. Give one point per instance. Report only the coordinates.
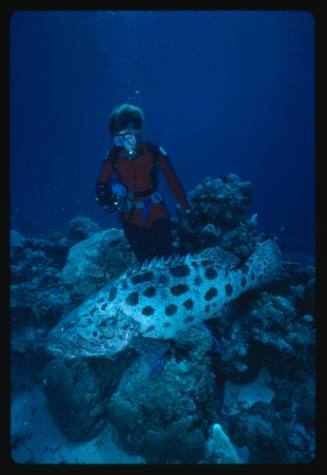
(128, 139)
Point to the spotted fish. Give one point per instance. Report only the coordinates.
(160, 299)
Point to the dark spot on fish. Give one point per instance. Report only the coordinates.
(188, 304)
(179, 289)
(90, 321)
(245, 269)
(133, 298)
(195, 265)
(252, 276)
(180, 271)
(124, 284)
(207, 262)
(104, 306)
(197, 280)
(150, 291)
(102, 299)
(171, 309)
(228, 290)
(93, 311)
(148, 310)
(138, 279)
(207, 308)
(211, 293)
(166, 325)
(210, 273)
(163, 279)
(104, 323)
(95, 333)
(125, 326)
(188, 319)
(112, 294)
(149, 329)
(243, 282)
(70, 325)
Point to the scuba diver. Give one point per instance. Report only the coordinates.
(128, 184)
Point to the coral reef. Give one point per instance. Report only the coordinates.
(49, 277)
(77, 393)
(219, 208)
(165, 416)
(248, 398)
(38, 297)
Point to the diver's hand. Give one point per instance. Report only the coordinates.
(107, 200)
(109, 204)
(191, 219)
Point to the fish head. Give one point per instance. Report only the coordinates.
(92, 333)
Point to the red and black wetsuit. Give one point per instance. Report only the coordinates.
(140, 177)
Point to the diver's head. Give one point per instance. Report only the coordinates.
(125, 125)
(127, 138)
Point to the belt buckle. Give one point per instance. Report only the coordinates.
(156, 198)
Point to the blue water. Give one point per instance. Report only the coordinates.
(222, 91)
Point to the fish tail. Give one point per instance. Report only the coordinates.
(265, 263)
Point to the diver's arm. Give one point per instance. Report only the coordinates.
(106, 178)
(172, 179)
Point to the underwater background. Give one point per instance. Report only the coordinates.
(227, 94)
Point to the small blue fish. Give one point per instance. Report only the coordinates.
(216, 346)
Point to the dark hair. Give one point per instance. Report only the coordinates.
(125, 116)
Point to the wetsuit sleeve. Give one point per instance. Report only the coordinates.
(172, 180)
(106, 174)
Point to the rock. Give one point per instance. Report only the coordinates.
(306, 408)
(261, 431)
(164, 416)
(251, 393)
(308, 318)
(219, 449)
(16, 239)
(77, 392)
(273, 312)
(17, 243)
(81, 228)
(35, 304)
(93, 262)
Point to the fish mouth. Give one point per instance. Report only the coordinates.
(55, 347)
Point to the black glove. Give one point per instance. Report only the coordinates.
(191, 219)
(108, 200)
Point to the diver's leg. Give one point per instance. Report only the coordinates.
(162, 237)
(140, 240)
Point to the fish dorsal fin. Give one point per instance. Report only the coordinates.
(219, 256)
(158, 263)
